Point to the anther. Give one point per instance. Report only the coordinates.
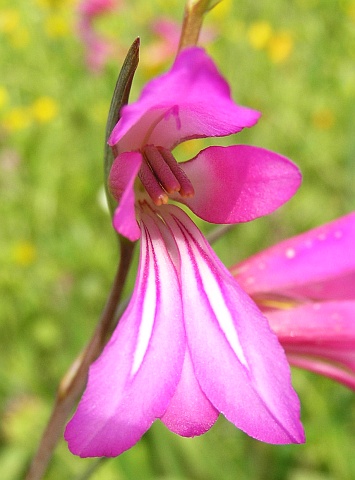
(152, 186)
(186, 188)
(164, 174)
(161, 175)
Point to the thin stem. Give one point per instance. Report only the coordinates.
(192, 23)
(218, 232)
(93, 468)
(74, 381)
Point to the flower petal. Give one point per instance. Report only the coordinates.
(318, 264)
(239, 183)
(192, 100)
(134, 379)
(189, 413)
(237, 360)
(321, 367)
(326, 329)
(121, 183)
(319, 337)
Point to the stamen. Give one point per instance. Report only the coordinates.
(161, 175)
(152, 186)
(166, 177)
(186, 188)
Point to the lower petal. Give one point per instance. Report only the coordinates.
(134, 379)
(189, 413)
(238, 362)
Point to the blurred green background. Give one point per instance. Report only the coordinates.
(294, 61)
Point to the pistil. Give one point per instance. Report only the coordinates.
(161, 175)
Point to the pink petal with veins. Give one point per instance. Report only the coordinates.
(319, 264)
(319, 337)
(238, 361)
(239, 183)
(132, 382)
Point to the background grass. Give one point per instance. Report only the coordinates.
(294, 61)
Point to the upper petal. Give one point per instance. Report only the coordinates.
(121, 183)
(191, 100)
(318, 264)
(237, 360)
(239, 183)
(132, 382)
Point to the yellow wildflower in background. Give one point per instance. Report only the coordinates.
(259, 33)
(16, 119)
(222, 10)
(323, 119)
(44, 109)
(9, 20)
(4, 96)
(11, 26)
(56, 25)
(280, 46)
(24, 253)
(20, 37)
(350, 11)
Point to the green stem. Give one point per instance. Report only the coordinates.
(192, 22)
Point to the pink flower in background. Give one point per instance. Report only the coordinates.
(191, 343)
(306, 288)
(92, 8)
(98, 49)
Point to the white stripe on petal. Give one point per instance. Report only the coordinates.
(218, 304)
(207, 281)
(148, 312)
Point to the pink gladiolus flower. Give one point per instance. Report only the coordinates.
(92, 8)
(191, 343)
(306, 287)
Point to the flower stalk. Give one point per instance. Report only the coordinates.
(193, 19)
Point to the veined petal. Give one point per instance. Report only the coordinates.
(319, 264)
(239, 183)
(121, 183)
(238, 362)
(134, 379)
(189, 413)
(192, 100)
(324, 330)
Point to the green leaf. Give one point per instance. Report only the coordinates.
(119, 99)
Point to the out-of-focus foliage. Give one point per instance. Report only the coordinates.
(293, 60)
